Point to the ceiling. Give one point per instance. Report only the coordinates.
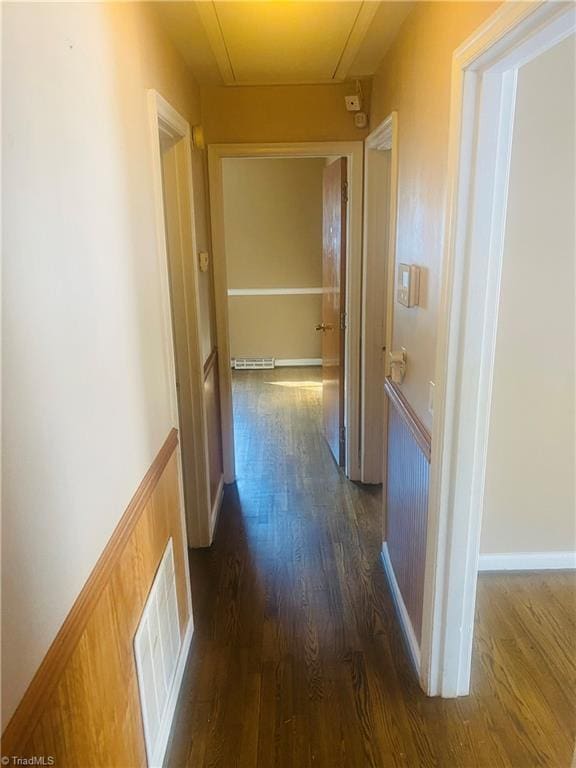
(233, 42)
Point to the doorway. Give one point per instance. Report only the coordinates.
(488, 73)
(285, 237)
(172, 166)
(378, 271)
(341, 334)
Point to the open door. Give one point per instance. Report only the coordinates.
(333, 322)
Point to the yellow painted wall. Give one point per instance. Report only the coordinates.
(280, 113)
(86, 400)
(273, 236)
(142, 47)
(414, 79)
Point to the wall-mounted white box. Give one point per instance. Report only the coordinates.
(408, 286)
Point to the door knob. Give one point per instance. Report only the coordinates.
(324, 327)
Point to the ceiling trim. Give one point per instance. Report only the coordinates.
(355, 38)
(211, 22)
(285, 83)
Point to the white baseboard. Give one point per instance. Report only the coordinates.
(401, 611)
(298, 361)
(157, 760)
(216, 507)
(528, 561)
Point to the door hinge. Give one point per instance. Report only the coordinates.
(344, 191)
(342, 321)
(342, 434)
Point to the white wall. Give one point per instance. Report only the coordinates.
(530, 501)
(86, 400)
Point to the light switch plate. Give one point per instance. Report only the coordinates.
(203, 260)
(408, 286)
(431, 388)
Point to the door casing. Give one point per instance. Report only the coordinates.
(353, 151)
(378, 273)
(484, 73)
(181, 311)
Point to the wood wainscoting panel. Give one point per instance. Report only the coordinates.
(82, 707)
(213, 425)
(408, 469)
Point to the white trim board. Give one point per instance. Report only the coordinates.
(401, 610)
(274, 291)
(157, 760)
(297, 362)
(528, 561)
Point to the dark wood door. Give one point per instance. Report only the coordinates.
(334, 305)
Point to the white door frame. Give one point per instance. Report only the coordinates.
(353, 151)
(378, 270)
(484, 73)
(165, 122)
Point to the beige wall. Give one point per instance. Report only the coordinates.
(86, 401)
(273, 236)
(280, 113)
(275, 326)
(414, 78)
(530, 503)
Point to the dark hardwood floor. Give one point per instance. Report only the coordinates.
(297, 659)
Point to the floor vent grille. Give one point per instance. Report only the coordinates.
(253, 363)
(156, 647)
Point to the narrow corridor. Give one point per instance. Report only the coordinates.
(297, 659)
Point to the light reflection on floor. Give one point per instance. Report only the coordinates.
(297, 384)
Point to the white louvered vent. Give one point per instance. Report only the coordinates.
(253, 363)
(156, 647)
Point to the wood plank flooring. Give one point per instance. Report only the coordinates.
(297, 660)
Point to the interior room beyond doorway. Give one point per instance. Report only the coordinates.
(273, 238)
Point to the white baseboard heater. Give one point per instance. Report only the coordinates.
(263, 363)
(252, 363)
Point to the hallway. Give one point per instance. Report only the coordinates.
(297, 658)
